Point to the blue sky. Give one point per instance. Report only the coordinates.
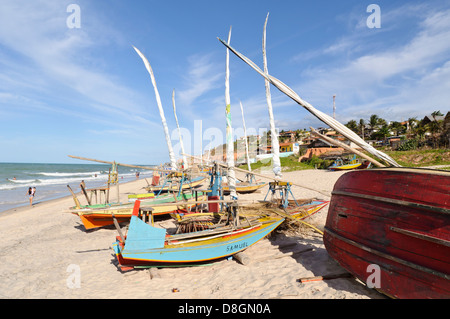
(84, 91)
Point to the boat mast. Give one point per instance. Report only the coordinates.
(273, 132)
(245, 137)
(185, 163)
(229, 130)
(173, 163)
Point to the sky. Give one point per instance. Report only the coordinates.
(71, 82)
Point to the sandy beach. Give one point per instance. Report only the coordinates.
(44, 250)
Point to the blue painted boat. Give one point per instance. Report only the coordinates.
(148, 245)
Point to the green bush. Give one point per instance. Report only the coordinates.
(408, 145)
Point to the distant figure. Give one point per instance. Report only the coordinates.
(14, 178)
(137, 175)
(31, 192)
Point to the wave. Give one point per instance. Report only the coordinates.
(70, 174)
(22, 181)
(13, 184)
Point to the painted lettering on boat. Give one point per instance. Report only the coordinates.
(238, 246)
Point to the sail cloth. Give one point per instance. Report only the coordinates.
(173, 163)
(185, 163)
(245, 138)
(229, 131)
(346, 132)
(273, 132)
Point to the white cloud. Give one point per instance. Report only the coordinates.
(388, 81)
(202, 76)
(56, 56)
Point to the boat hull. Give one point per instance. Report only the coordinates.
(196, 182)
(192, 251)
(345, 167)
(391, 229)
(100, 217)
(244, 189)
(308, 210)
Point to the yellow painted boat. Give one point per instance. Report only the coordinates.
(244, 187)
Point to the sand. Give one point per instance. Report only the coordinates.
(47, 253)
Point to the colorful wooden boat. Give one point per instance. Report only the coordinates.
(134, 197)
(305, 208)
(345, 167)
(148, 245)
(174, 185)
(244, 187)
(94, 216)
(339, 165)
(396, 220)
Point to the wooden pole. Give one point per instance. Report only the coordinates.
(129, 165)
(85, 194)
(325, 277)
(348, 148)
(116, 224)
(75, 199)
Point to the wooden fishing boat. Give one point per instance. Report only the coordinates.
(244, 187)
(174, 185)
(397, 219)
(339, 165)
(345, 167)
(94, 216)
(134, 197)
(148, 245)
(306, 208)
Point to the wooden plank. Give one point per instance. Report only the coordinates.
(116, 224)
(325, 277)
(75, 199)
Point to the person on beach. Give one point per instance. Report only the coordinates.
(31, 192)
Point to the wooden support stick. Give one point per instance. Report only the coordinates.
(325, 277)
(242, 258)
(116, 224)
(75, 199)
(85, 194)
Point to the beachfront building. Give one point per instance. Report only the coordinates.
(289, 147)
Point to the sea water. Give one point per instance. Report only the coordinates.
(51, 180)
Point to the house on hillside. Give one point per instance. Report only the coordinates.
(289, 147)
(429, 118)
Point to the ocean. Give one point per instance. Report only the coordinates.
(51, 180)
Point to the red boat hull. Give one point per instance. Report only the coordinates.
(397, 220)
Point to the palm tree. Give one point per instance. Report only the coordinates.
(397, 127)
(435, 127)
(361, 126)
(412, 126)
(373, 122)
(436, 113)
(352, 125)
